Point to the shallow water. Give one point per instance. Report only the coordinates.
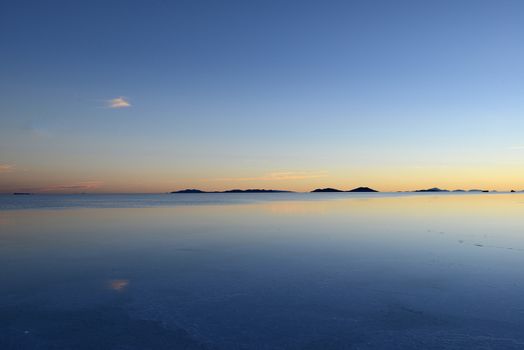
(262, 271)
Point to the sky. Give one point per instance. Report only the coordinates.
(155, 96)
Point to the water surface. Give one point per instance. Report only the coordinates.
(262, 271)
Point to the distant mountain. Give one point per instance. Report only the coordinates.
(22, 194)
(326, 190)
(434, 189)
(459, 191)
(475, 190)
(189, 190)
(192, 190)
(362, 189)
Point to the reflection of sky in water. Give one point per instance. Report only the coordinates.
(372, 272)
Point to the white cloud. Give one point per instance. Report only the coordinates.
(119, 102)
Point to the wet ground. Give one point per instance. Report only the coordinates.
(281, 271)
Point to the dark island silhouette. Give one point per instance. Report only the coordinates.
(329, 189)
(189, 190)
(434, 189)
(358, 189)
(362, 189)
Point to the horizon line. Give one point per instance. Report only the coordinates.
(262, 191)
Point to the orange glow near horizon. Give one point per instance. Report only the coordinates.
(384, 179)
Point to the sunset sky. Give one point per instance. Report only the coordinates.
(154, 96)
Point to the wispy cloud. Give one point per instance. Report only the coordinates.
(118, 102)
(516, 148)
(6, 168)
(81, 186)
(279, 176)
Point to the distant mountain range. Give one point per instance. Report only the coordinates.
(318, 190)
(256, 190)
(328, 190)
(436, 189)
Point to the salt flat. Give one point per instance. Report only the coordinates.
(262, 271)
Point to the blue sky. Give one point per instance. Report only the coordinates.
(274, 94)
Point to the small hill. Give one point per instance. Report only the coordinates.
(189, 190)
(326, 190)
(362, 189)
(434, 189)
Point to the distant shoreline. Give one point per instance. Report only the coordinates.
(335, 190)
(269, 191)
